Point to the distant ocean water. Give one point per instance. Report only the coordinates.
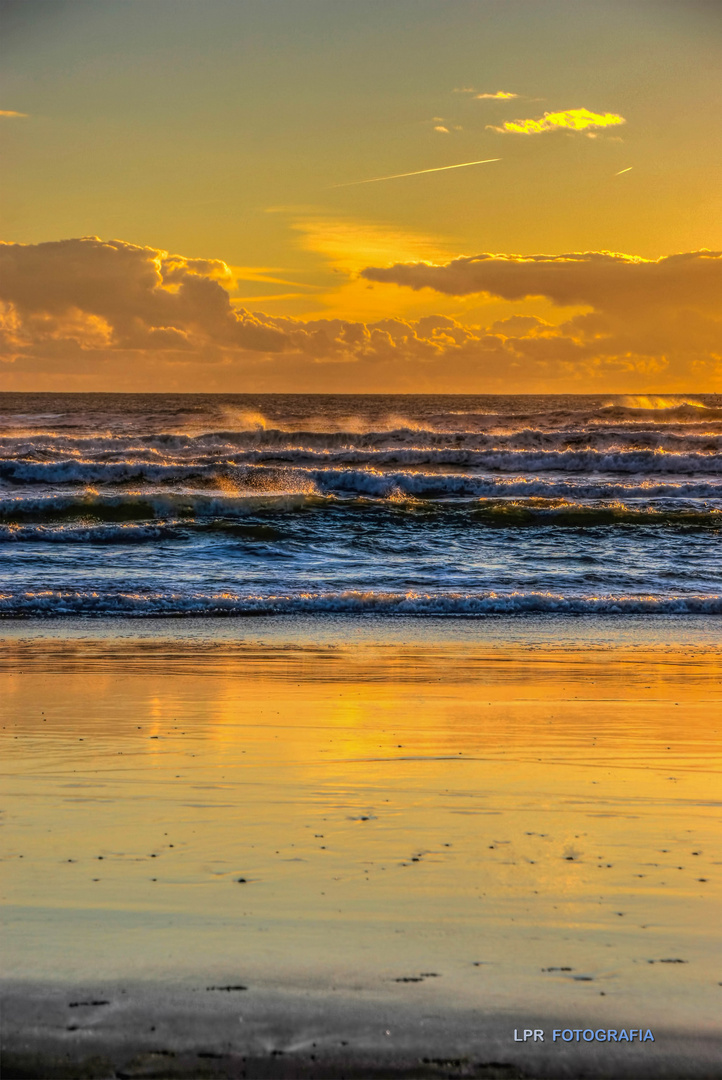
(431, 505)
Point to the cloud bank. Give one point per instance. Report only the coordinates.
(93, 314)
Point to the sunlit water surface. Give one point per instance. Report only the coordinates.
(478, 819)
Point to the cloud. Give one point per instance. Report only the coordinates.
(595, 278)
(500, 95)
(129, 297)
(93, 314)
(444, 126)
(349, 244)
(666, 312)
(11, 112)
(569, 120)
(266, 275)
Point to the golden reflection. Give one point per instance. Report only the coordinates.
(515, 801)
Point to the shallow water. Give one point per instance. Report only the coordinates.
(216, 505)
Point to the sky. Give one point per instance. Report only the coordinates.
(276, 195)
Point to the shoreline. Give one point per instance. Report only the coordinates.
(563, 630)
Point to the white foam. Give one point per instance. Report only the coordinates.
(100, 602)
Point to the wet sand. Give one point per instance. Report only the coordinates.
(402, 845)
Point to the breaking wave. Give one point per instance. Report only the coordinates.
(474, 471)
(97, 603)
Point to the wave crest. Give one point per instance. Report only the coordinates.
(98, 602)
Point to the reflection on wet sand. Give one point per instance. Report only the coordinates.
(483, 827)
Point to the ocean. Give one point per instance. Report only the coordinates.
(472, 506)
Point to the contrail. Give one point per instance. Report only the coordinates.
(624, 170)
(397, 176)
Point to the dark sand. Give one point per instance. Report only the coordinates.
(145, 1030)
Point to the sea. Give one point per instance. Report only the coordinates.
(137, 505)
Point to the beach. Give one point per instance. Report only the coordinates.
(360, 540)
(347, 847)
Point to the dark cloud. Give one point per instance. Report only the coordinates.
(601, 279)
(135, 297)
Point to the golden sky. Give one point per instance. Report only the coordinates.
(308, 195)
